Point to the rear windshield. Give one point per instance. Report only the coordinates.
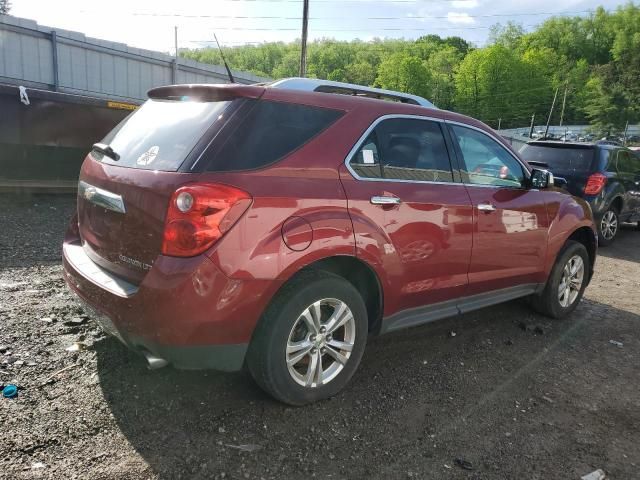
(561, 160)
(271, 131)
(161, 133)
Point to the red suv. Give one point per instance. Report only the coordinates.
(230, 226)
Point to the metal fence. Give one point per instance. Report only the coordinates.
(65, 61)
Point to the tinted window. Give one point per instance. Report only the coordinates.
(561, 160)
(161, 133)
(270, 131)
(627, 163)
(404, 149)
(485, 161)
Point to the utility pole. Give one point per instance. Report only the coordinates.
(553, 104)
(499, 123)
(175, 59)
(564, 100)
(533, 117)
(624, 139)
(303, 49)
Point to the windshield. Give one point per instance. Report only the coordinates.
(161, 133)
(569, 160)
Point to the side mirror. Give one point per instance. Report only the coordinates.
(541, 178)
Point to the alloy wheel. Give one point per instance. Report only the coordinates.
(320, 342)
(609, 224)
(571, 281)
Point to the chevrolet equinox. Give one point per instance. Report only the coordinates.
(231, 226)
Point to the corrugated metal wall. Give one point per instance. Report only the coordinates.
(61, 60)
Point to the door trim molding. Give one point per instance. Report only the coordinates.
(450, 308)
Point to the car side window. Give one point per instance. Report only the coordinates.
(485, 161)
(626, 162)
(404, 149)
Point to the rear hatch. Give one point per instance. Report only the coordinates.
(126, 182)
(573, 162)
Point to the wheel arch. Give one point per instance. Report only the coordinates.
(357, 272)
(586, 236)
(618, 202)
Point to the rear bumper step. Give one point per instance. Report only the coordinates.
(77, 257)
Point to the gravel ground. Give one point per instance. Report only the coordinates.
(510, 395)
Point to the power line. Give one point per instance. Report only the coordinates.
(333, 30)
(407, 17)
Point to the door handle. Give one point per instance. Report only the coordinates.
(486, 207)
(385, 200)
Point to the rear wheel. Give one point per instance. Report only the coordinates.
(566, 284)
(608, 226)
(310, 340)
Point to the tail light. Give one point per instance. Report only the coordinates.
(595, 184)
(199, 215)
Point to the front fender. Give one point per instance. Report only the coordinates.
(567, 214)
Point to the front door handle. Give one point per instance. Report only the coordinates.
(385, 200)
(486, 207)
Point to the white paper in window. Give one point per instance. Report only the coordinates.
(367, 156)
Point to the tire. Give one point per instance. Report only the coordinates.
(550, 302)
(610, 217)
(283, 329)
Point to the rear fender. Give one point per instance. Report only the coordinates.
(256, 249)
(374, 247)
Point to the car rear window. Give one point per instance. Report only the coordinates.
(270, 131)
(161, 133)
(562, 160)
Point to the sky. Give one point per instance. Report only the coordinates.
(150, 23)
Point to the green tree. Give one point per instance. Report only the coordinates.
(405, 73)
(606, 105)
(362, 73)
(596, 58)
(5, 7)
(509, 35)
(495, 83)
(442, 65)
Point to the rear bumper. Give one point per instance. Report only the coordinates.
(185, 311)
(228, 358)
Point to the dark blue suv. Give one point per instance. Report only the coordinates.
(607, 176)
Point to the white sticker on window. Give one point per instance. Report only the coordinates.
(367, 156)
(149, 156)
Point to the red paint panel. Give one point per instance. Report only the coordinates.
(421, 248)
(510, 243)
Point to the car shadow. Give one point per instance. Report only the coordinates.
(626, 246)
(450, 380)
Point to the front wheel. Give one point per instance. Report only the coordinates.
(567, 282)
(310, 340)
(608, 227)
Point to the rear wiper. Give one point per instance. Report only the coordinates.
(106, 150)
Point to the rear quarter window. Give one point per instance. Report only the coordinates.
(269, 132)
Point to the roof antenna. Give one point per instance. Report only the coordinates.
(224, 60)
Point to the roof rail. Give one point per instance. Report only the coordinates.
(329, 86)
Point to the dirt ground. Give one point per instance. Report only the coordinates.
(512, 395)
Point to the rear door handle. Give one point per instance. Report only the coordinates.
(486, 207)
(385, 200)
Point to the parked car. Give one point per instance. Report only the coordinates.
(230, 226)
(606, 176)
